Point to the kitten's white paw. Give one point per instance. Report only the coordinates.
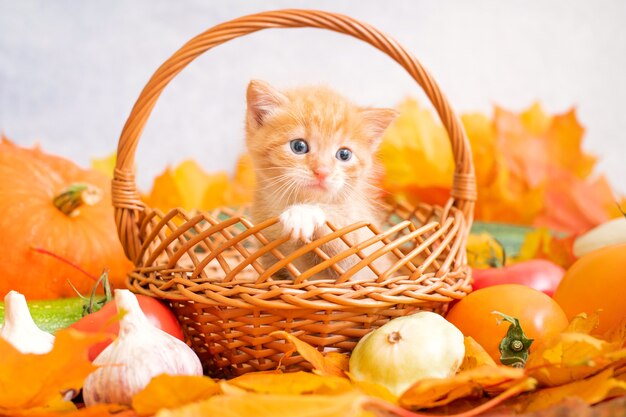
(301, 220)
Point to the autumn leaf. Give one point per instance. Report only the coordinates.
(416, 153)
(172, 391)
(273, 405)
(541, 243)
(97, 410)
(105, 165)
(321, 364)
(44, 379)
(435, 392)
(530, 167)
(188, 186)
(475, 355)
(484, 251)
(591, 390)
(296, 383)
(583, 323)
(572, 356)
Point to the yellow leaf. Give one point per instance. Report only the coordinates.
(484, 251)
(97, 410)
(542, 244)
(29, 381)
(475, 355)
(171, 391)
(415, 151)
(591, 390)
(374, 390)
(296, 383)
(188, 186)
(272, 405)
(530, 167)
(321, 365)
(583, 323)
(571, 356)
(106, 165)
(429, 393)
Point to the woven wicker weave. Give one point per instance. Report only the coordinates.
(206, 265)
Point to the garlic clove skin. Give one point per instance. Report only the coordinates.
(19, 328)
(140, 352)
(408, 349)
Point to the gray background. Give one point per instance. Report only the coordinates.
(71, 70)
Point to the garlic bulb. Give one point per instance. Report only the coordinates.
(407, 349)
(613, 232)
(20, 330)
(140, 353)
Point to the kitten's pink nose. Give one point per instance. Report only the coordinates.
(321, 173)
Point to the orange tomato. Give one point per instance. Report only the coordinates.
(596, 281)
(539, 315)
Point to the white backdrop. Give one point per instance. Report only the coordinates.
(70, 70)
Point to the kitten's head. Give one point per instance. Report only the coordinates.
(311, 144)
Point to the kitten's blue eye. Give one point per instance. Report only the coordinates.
(344, 154)
(299, 146)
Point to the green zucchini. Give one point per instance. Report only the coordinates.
(52, 315)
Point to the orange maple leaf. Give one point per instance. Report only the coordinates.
(39, 382)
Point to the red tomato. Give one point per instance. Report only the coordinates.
(539, 315)
(596, 281)
(539, 274)
(157, 313)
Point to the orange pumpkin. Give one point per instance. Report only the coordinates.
(49, 203)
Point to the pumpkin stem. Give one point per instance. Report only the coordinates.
(75, 196)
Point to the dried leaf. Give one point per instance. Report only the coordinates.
(373, 389)
(541, 243)
(583, 323)
(43, 379)
(484, 251)
(416, 152)
(530, 167)
(432, 392)
(591, 390)
(296, 383)
(172, 391)
(272, 405)
(570, 357)
(106, 165)
(188, 186)
(321, 364)
(475, 355)
(192, 188)
(97, 410)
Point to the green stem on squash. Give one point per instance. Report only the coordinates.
(76, 195)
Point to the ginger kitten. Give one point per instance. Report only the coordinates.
(313, 155)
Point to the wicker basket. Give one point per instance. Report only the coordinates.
(206, 265)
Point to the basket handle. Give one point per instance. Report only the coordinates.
(126, 199)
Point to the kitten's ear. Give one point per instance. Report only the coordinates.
(262, 99)
(377, 121)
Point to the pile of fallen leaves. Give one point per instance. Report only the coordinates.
(572, 364)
